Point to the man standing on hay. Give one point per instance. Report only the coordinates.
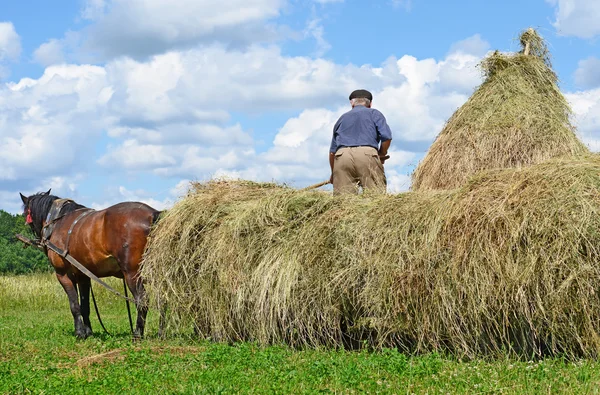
(356, 157)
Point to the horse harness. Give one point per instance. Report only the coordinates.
(53, 217)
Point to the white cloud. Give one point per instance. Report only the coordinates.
(50, 53)
(10, 42)
(178, 84)
(93, 9)
(10, 47)
(577, 17)
(139, 28)
(587, 74)
(121, 194)
(316, 31)
(66, 187)
(397, 182)
(586, 106)
(474, 45)
(134, 157)
(48, 125)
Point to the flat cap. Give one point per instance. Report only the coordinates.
(361, 94)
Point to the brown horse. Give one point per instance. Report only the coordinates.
(108, 242)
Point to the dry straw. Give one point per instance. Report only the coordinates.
(506, 263)
(517, 117)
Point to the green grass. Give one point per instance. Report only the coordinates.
(39, 354)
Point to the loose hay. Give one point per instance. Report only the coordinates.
(507, 262)
(517, 117)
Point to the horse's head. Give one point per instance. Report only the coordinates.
(35, 209)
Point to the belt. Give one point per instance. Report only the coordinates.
(357, 146)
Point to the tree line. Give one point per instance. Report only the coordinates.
(14, 259)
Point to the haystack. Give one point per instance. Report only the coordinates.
(517, 117)
(507, 262)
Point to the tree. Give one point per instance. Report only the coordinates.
(14, 259)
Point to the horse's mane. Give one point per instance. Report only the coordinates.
(40, 205)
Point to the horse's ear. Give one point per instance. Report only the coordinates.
(23, 198)
(48, 193)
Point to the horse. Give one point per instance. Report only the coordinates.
(107, 242)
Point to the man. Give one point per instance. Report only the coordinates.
(356, 156)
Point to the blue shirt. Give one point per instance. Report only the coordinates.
(360, 126)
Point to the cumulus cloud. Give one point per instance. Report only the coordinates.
(49, 53)
(577, 17)
(587, 74)
(140, 28)
(10, 42)
(10, 47)
(178, 84)
(121, 193)
(48, 125)
(474, 45)
(586, 106)
(315, 30)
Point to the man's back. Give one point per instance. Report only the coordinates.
(361, 126)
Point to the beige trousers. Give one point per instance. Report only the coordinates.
(357, 166)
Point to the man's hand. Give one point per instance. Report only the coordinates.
(383, 158)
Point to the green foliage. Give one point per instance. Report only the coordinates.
(13, 257)
(39, 354)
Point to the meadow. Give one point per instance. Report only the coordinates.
(40, 355)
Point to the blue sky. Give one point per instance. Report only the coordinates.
(112, 100)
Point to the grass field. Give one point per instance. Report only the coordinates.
(39, 354)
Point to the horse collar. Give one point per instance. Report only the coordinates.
(53, 217)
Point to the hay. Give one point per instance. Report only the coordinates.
(508, 262)
(517, 117)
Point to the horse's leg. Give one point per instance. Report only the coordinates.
(135, 285)
(69, 285)
(84, 299)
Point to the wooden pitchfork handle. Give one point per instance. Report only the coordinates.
(315, 186)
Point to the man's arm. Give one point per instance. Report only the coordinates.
(333, 148)
(383, 149)
(331, 162)
(384, 133)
